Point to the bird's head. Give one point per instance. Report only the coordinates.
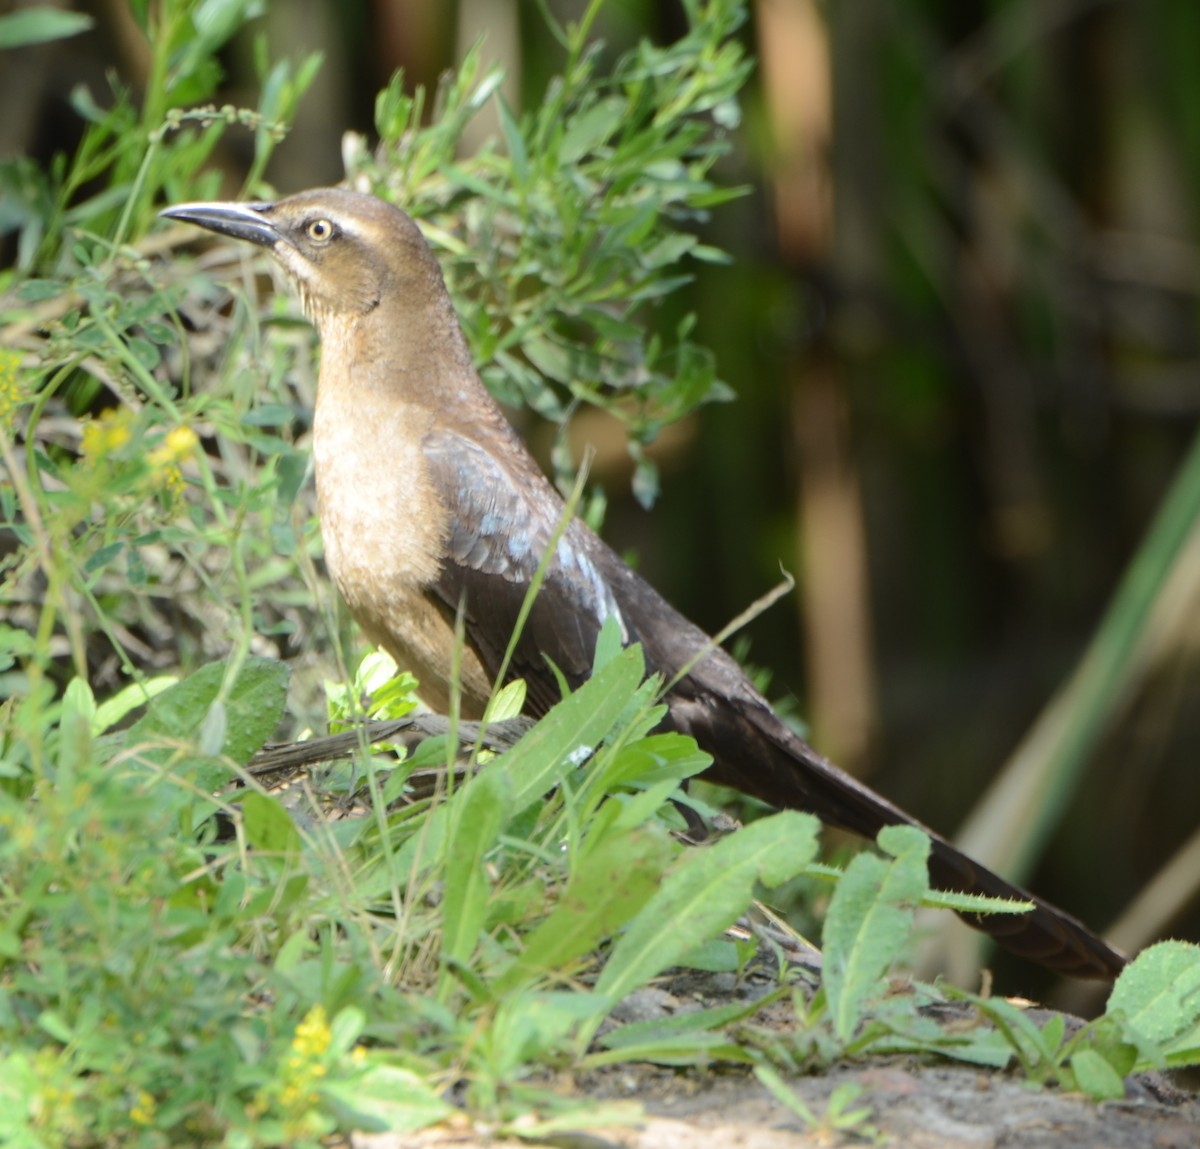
(345, 251)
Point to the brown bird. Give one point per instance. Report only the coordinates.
(428, 498)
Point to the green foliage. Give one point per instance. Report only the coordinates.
(187, 959)
(838, 1118)
(870, 918)
(377, 690)
(38, 25)
(557, 239)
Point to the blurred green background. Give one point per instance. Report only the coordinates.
(961, 322)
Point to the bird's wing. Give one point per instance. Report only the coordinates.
(500, 529)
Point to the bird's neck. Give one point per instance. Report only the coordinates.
(412, 356)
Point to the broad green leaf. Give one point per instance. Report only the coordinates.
(681, 1027)
(869, 921)
(253, 707)
(1159, 994)
(507, 702)
(129, 698)
(610, 885)
(589, 129)
(530, 1025)
(679, 1050)
(573, 728)
(269, 827)
(663, 757)
(387, 1099)
(608, 643)
(704, 894)
(1096, 1077)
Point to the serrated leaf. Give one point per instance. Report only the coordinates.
(869, 921)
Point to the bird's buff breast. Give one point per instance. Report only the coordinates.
(381, 528)
(383, 531)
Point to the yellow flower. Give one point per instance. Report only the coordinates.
(11, 393)
(106, 434)
(143, 1111)
(172, 481)
(178, 442)
(313, 1034)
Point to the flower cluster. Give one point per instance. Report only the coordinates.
(12, 394)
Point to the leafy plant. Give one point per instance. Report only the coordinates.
(557, 239)
(186, 958)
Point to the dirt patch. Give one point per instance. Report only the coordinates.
(912, 1104)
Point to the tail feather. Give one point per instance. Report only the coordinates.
(760, 756)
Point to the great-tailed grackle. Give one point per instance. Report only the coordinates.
(427, 497)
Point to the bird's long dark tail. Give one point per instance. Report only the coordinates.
(760, 756)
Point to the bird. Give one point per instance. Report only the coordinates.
(431, 508)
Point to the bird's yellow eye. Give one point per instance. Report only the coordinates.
(320, 230)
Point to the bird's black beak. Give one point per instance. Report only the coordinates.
(240, 220)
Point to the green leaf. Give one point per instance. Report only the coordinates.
(786, 1095)
(704, 894)
(531, 1025)
(37, 290)
(677, 1050)
(670, 249)
(387, 1098)
(609, 643)
(589, 129)
(870, 920)
(269, 827)
(1096, 1077)
(479, 813)
(515, 141)
(1159, 994)
(252, 708)
(562, 740)
(507, 702)
(39, 25)
(128, 699)
(611, 882)
(681, 1027)
(573, 729)
(717, 955)
(75, 726)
